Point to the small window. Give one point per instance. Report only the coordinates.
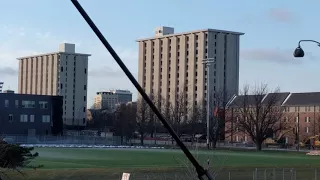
(23, 118)
(17, 103)
(61, 69)
(10, 118)
(84, 120)
(85, 87)
(85, 70)
(28, 104)
(6, 103)
(43, 104)
(46, 118)
(31, 118)
(84, 98)
(84, 109)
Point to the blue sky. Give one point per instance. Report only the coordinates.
(272, 29)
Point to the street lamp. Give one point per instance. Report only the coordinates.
(298, 52)
(207, 63)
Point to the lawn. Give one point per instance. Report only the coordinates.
(72, 163)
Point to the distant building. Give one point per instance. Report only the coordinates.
(110, 99)
(26, 114)
(63, 73)
(171, 63)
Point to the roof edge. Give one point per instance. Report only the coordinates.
(51, 53)
(191, 32)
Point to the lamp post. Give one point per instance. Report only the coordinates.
(207, 62)
(298, 52)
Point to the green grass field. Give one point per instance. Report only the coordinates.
(72, 163)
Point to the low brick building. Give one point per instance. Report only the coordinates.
(300, 114)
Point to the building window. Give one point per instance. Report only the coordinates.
(46, 118)
(85, 71)
(28, 104)
(297, 119)
(307, 119)
(31, 118)
(17, 103)
(84, 98)
(23, 118)
(6, 103)
(85, 87)
(83, 120)
(307, 129)
(10, 118)
(43, 104)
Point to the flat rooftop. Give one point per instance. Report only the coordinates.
(64, 48)
(191, 32)
(52, 53)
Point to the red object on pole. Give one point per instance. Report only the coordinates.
(215, 111)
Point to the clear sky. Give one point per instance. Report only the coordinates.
(272, 29)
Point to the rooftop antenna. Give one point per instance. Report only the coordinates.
(202, 173)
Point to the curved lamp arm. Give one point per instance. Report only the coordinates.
(318, 43)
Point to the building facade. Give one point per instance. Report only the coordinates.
(1, 85)
(172, 63)
(110, 99)
(24, 114)
(300, 117)
(63, 73)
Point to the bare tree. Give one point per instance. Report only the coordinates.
(195, 117)
(259, 112)
(179, 110)
(220, 98)
(142, 118)
(153, 119)
(125, 121)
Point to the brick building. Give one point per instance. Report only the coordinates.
(300, 114)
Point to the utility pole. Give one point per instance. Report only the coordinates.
(207, 62)
(298, 132)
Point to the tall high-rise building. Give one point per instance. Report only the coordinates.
(109, 99)
(63, 73)
(170, 63)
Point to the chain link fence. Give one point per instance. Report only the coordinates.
(66, 140)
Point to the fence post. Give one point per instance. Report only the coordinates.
(274, 174)
(315, 174)
(265, 174)
(253, 175)
(256, 173)
(229, 175)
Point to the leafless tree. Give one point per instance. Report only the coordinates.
(195, 119)
(142, 118)
(179, 110)
(258, 112)
(219, 100)
(153, 119)
(125, 121)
